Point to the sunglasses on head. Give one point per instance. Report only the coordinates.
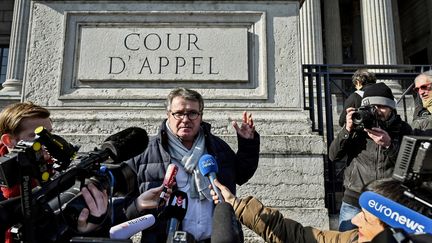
(422, 87)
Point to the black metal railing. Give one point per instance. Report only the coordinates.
(322, 81)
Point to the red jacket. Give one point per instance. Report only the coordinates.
(6, 191)
(14, 191)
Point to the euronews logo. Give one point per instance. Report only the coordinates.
(397, 217)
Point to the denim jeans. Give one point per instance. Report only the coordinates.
(347, 212)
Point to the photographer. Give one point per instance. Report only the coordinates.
(18, 122)
(271, 225)
(371, 148)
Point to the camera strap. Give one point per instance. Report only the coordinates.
(97, 220)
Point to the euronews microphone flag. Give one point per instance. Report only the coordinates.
(394, 214)
(208, 167)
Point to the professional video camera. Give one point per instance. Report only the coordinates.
(33, 210)
(364, 117)
(414, 161)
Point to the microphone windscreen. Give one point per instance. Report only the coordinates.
(177, 206)
(126, 144)
(207, 164)
(226, 227)
(394, 214)
(170, 175)
(127, 229)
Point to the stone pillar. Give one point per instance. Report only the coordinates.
(311, 32)
(311, 43)
(378, 32)
(379, 45)
(333, 47)
(17, 50)
(333, 36)
(398, 35)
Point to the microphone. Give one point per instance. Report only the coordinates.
(119, 146)
(126, 144)
(226, 227)
(394, 214)
(208, 167)
(127, 229)
(175, 211)
(168, 181)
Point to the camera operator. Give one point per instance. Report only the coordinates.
(271, 225)
(371, 148)
(18, 122)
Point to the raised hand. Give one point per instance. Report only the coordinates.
(247, 128)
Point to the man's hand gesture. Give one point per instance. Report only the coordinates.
(247, 128)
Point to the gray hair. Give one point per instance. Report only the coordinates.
(186, 94)
(427, 74)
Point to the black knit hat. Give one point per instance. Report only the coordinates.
(378, 94)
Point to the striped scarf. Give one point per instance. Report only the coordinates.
(199, 186)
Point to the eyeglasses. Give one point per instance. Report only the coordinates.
(192, 115)
(424, 87)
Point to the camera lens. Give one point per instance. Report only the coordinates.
(357, 117)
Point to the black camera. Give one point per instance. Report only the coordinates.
(364, 117)
(53, 206)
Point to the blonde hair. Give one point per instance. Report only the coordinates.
(12, 115)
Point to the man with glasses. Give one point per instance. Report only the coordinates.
(182, 139)
(422, 123)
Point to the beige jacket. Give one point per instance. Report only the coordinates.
(273, 227)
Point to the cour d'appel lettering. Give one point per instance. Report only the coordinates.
(164, 65)
(155, 42)
(165, 43)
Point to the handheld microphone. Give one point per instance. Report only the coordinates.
(226, 227)
(168, 181)
(175, 211)
(208, 167)
(394, 214)
(127, 229)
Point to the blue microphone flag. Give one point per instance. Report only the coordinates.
(394, 214)
(207, 164)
